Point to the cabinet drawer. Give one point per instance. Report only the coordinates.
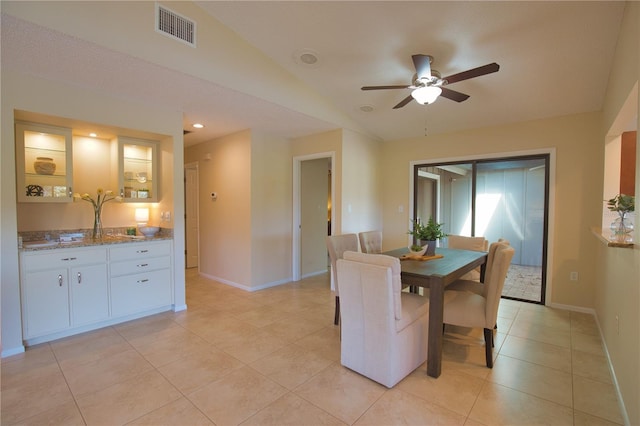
(63, 258)
(140, 292)
(140, 250)
(139, 265)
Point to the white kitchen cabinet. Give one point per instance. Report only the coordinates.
(45, 302)
(140, 277)
(70, 290)
(89, 294)
(138, 171)
(63, 288)
(44, 171)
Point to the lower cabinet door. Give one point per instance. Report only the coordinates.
(140, 292)
(46, 298)
(89, 294)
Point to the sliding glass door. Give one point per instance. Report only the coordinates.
(494, 198)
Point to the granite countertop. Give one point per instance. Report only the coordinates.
(89, 242)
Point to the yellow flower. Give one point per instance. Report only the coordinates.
(101, 198)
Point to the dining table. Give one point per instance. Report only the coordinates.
(436, 273)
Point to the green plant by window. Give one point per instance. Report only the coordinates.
(622, 203)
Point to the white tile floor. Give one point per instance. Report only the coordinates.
(273, 358)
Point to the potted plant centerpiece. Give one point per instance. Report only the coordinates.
(427, 234)
(622, 227)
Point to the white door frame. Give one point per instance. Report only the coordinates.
(195, 166)
(297, 199)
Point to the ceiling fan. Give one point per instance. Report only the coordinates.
(428, 85)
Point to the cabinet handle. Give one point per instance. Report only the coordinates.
(79, 277)
(60, 280)
(142, 265)
(143, 281)
(69, 258)
(142, 251)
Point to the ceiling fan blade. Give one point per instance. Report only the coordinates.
(476, 72)
(453, 95)
(422, 63)
(384, 87)
(404, 102)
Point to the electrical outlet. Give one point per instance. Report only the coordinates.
(573, 276)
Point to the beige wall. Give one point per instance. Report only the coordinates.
(357, 200)
(271, 210)
(617, 271)
(225, 223)
(21, 92)
(577, 187)
(361, 196)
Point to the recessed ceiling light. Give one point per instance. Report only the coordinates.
(198, 125)
(93, 135)
(306, 57)
(367, 108)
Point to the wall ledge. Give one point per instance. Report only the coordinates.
(600, 235)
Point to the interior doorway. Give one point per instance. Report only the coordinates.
(313, 189)
(192, 231)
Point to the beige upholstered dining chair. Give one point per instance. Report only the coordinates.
(475, 285)
(384, 330)
(468, 309)
(370, 242)
(468, 243)
(337, 245)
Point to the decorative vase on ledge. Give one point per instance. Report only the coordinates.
(622, 228)
(97, 223)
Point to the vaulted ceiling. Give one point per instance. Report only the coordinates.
(554, 59)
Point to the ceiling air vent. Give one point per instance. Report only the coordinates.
(175, 25)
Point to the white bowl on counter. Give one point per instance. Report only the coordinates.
(149, 231)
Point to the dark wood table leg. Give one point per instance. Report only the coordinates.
(434, 350)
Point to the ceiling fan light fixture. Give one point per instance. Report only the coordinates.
(426, 95)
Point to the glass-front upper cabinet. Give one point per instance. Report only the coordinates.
(138, 170)
(43, 163)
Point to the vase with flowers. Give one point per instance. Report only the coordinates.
(102, 197)
(622, 227)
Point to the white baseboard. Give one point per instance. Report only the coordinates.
(573, 308)
(314, 274)
(179, 308)
(623, 408)
(12, 351)
(244, 287)
(592, 311)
